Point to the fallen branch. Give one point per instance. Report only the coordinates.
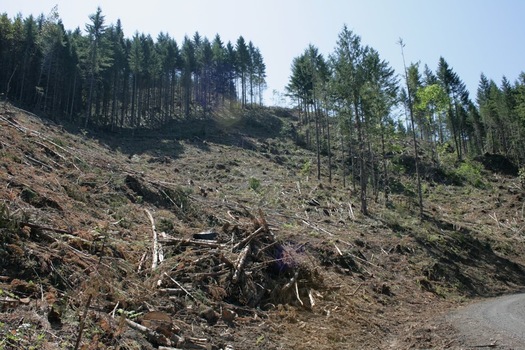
(492, 345)
(112, 313)
(47, 149)
(260, 251)
(248, 239)
(39, 162)
(153, 335)
(172, 291)
(297, 294)
(45, 228)
(240, 263)
(351, 211)
(168, 197)
(362, 260)
(155, 258)
(263, 221)
(226, 261)
(311, 297)
(355, 290)
(315, 227)
(83, 322)
(291, 282)
(181, 287)
(141, 262)
(188, 241)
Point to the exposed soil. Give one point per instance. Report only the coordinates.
(76, 242)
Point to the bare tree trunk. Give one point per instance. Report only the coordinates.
(317, 139)
(329, 147)
(416, 151)
(72, 106)
(90, 99)
(343, 159)
(385, 168)
(362, 170)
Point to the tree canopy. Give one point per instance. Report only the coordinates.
(99, 77)
(361, 95)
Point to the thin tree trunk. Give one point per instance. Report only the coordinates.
(73, 97)
(343, 159)
(114, 101)
(329, 147)
(362, 170)
(47, 83)
(385, 168)
(416, 155)
(317, 140)
(90, 99)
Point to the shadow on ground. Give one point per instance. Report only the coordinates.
(463, 261)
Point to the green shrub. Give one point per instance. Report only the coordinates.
(254, 184)
(307, 166)
(471, 173)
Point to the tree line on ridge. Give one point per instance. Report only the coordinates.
(100, 77)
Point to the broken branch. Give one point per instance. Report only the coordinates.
(151, 334)
(181, 287)
(249, 238)
(240, 263)
(155, 258)
(291, 282)
(188, 241)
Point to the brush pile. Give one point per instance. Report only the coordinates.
(225, 277)
(241, 265)
(214, 278)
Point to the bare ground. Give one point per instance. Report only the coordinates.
(77, 243)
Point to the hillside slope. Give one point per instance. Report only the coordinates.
(214, 235)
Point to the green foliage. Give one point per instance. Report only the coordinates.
(165, 225)
(432, 98)
(471, 173)
(97, 73)
(306, 168)
(24, 336)
(254, 184)
(181, 198)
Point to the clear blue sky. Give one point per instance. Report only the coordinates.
(473, 36)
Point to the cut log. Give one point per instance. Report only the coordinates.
(152, 335)
(240, 263)
(186, 241)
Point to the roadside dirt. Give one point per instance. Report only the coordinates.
(77, 243)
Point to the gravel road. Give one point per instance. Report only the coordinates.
(498, 323)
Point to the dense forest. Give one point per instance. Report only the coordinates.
(98, 77)
(352, 101)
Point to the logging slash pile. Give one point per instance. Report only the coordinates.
(234, 274)
(218, 278)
